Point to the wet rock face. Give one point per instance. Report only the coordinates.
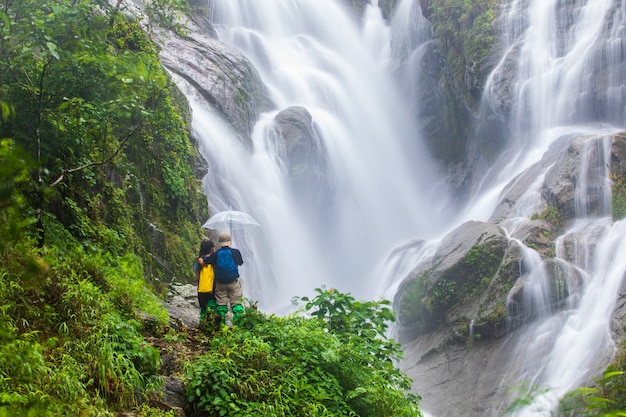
(461, 311)
(618, 155)
(182, 304)
(222, 75)
(387, 7)
(464, 280)
(477, 268)
(305, 158)
(425, 5)
(357, 6)
(560, 184)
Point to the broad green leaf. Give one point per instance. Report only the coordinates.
(53, 49)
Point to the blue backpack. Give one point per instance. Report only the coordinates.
(225, 268)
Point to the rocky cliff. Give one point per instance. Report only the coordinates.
(463, 311)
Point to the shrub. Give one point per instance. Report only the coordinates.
(338, 362)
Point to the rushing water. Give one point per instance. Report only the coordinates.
(312, 53)
(570, 80)
(357, 81)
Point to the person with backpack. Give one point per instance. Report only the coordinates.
(206, 281)
(226, 262)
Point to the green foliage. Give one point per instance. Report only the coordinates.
(71, 341)
(444, 294)
(342, 315)
(145, 410)
(31, 384)
(129, 36)
(14, 171)
(465, 30)
(106, 131)
(411, 302)
(614, 388)
(552, 215)
(164, 13)
(99, 156)
(481, 263)
(296, 366)
(497, 317)
(525, 395)
(619, 196)
(599, 400)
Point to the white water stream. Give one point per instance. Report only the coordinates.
(560, 52)
(311, 53)
(387, 192)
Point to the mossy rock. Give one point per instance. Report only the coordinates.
(456, 281)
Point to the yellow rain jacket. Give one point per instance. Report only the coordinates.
(206, 279)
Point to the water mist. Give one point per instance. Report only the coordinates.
(311, 53)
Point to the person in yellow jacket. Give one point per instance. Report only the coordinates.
(206, 281)
(226, 262)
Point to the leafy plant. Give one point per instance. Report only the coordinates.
(165, 13)
(97, 202)
(412, 298)
(69, 345)
(106, 131)
(338, 362)
(465, 30)
(553, 215)
(582, 402)
(525, 395)
(344, 316)
(619, 196)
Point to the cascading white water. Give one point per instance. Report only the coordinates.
(312, 53)
(569, 60)
(561, 48)
(563, 349)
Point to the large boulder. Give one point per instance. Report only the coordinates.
(452, 319)
(305, 157)
(467, 279)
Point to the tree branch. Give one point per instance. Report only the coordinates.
(98, 163)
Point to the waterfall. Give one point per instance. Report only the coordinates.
(570, 81)
(560, 350)
(357, 80)
(314, 54)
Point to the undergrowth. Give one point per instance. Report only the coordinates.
(335, 362)
(70, 329)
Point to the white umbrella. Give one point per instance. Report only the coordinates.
(231, 220)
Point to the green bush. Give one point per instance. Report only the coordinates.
(336, 363)
(552, 214)
(99, 158)
(70, 342)
(103, 124)
(465, 31)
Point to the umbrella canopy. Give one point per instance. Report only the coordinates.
(230, 220)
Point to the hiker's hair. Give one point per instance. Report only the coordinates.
(206, 246)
